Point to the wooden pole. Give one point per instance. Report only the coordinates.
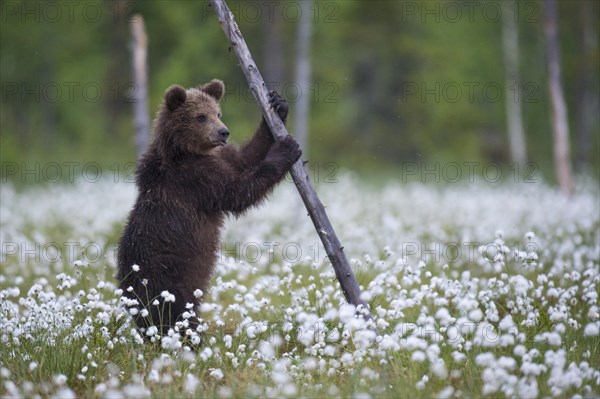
(315, 208)
(141, 117)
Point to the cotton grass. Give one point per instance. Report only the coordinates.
(474, 290)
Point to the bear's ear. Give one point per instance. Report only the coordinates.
(174, 97)
(215, 89)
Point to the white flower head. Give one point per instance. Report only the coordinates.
(60, 379)
(591, 330)
(530, 235)
(217, 374)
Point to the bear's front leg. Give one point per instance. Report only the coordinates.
(245, 191)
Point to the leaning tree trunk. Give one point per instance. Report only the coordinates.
(316, 210)
(514, 116)
(141, 117)
(560, 126)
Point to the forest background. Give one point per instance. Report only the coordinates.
(393, 84)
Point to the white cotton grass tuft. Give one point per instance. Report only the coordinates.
(445, 393)
(592, 329)
(217, 374)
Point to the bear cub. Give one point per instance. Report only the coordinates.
(188, 181)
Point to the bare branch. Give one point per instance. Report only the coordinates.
(315, 208)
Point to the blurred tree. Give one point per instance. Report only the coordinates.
(140, 78)
(272, 50)
(115, 30)
(514, 116)
(587, 101)
(559, 109)
(303, 68)
(48, 126)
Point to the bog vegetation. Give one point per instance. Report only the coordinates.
(475, 290)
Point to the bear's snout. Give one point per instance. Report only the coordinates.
(223, 134)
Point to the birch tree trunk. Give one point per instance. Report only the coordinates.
(560, 127)
(141, 117)
(303, 71)
(514, 116)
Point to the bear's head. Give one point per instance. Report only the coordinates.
(189, 121)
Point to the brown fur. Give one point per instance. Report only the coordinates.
(188, 181)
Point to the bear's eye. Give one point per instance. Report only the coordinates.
(202, 118)
(219, 116)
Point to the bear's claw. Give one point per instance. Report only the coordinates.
(278, 104)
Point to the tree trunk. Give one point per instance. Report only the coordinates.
(315, 208)
(48, 74)
(116, 29)
(586, 100)
(272, 55)
(303, 70)
(141, 116)
(514, 116)
(560, 127)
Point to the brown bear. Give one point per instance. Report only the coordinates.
(188, 181)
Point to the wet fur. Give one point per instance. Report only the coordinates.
(188, 182)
